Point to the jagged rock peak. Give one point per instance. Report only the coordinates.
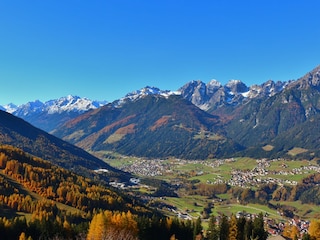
(236, 86)
(143, 92)
(10, 108)
(63, 104)
(312, 78)
(71, 103)
(214, 83)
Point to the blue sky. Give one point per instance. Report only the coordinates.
(105, 49)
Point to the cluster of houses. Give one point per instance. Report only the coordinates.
(278, 228)
(150, 167)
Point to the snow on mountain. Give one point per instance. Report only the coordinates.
(10, 108)
(235, 87)
(144, 92)
(29, 108)
(71, 103)
(214, 94)
(213, 86)
(64, 104)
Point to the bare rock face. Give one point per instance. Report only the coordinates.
(311, 79)
(213, 94)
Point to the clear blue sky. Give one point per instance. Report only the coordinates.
(105, 49)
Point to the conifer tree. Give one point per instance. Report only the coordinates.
(241, 228)
(97, 227)
(224, 228)
(212, 233)
(197, 227)
(258, 228)
(233, 229)
(22, 236)
(248, 229)
(314, 229)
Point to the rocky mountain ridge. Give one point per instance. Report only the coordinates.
(151, 126)
(213, 94)
(248, 118)
(50, 114)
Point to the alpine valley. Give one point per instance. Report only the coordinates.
(167, 164)
(197, 121)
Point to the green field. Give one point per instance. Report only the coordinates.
(208, 171)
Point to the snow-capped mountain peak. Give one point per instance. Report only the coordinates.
(61, 110)
(144, 92)
(64, 104)
(70, 104)
(10, 108)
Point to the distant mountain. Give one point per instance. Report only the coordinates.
(138, 94)
(17, 132)
(52, 113)
(213, 95)
(284, 121)
(9, 107)
(270, 120)
(150, 125)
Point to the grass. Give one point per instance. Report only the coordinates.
(229, 209)
(193, 204)
(205, 135)
(295, 151)
(75, 135)
(205, 177)
(305, 211)
(268, 148)
(244, 163)
(114, 138)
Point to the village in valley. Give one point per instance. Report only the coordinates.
(234, 172)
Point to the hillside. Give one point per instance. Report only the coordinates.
(151, 126)
(42, 200)
(16, 132)
(267, 120)
(50, 114)
(284, 121)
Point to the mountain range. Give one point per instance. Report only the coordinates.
(16, 132)
(50, 114)
(199, 120)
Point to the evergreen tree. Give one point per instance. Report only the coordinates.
(212, 233)
(241, 228)
(248, 229)
(306, 236)
(197, 227)
(224, 228)
(258, 228)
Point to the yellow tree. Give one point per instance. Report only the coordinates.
(173, 237)
(287, 230)
(67, 228)
(233, 229)
(294, 232)
(314, 229)
(22, 236)
(97, 228)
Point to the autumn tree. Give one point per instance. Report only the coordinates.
(314, 229)
(233, 228)
(97, 228)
